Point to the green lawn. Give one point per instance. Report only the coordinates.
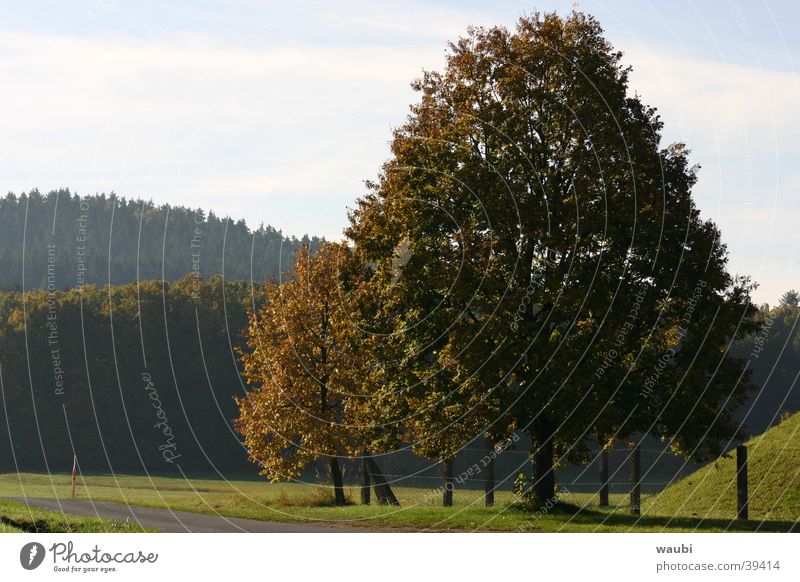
(420, 508)
(17, 517)
(8, 529)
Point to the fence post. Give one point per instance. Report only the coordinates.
(365, 493)
(488, 480)
(447, 493)
(636, 477)
(74, 472)
(604, 478)
(741, 482)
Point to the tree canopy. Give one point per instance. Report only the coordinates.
(559, 272)
(309, 376)
(790, 299)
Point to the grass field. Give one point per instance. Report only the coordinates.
(703, 501)
(420, 509)
(773, 475)
(19, 518)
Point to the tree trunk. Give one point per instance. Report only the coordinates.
(604, 478)
(336, 476)
(544, 482)
(382, 489)
(447, 492)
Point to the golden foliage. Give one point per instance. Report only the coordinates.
(308, 378)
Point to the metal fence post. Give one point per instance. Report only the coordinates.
(741, 482)
(604, 478)
(636, 477)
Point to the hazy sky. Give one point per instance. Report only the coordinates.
(277, 111)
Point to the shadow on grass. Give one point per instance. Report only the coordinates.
(582, 516)
(316, 498)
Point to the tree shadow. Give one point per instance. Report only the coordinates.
(582, 516)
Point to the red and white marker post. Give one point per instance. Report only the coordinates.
(74, 473)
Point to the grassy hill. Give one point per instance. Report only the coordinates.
(773, 475)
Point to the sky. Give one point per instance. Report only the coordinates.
(276, 112)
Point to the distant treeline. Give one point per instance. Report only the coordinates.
(129, 377)
(143, 377)
(774, 355)
(61, 240)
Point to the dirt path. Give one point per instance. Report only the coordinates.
(166, 520)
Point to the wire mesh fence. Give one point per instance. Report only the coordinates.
(663, 484)
(660, 468)
(474, 465)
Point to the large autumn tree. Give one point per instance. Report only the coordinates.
(559, 276)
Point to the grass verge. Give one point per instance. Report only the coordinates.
(18, 517)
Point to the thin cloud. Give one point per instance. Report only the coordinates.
(188, 118)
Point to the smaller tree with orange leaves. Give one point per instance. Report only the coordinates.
(308, 378)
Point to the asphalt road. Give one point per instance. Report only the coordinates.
(166, 520)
